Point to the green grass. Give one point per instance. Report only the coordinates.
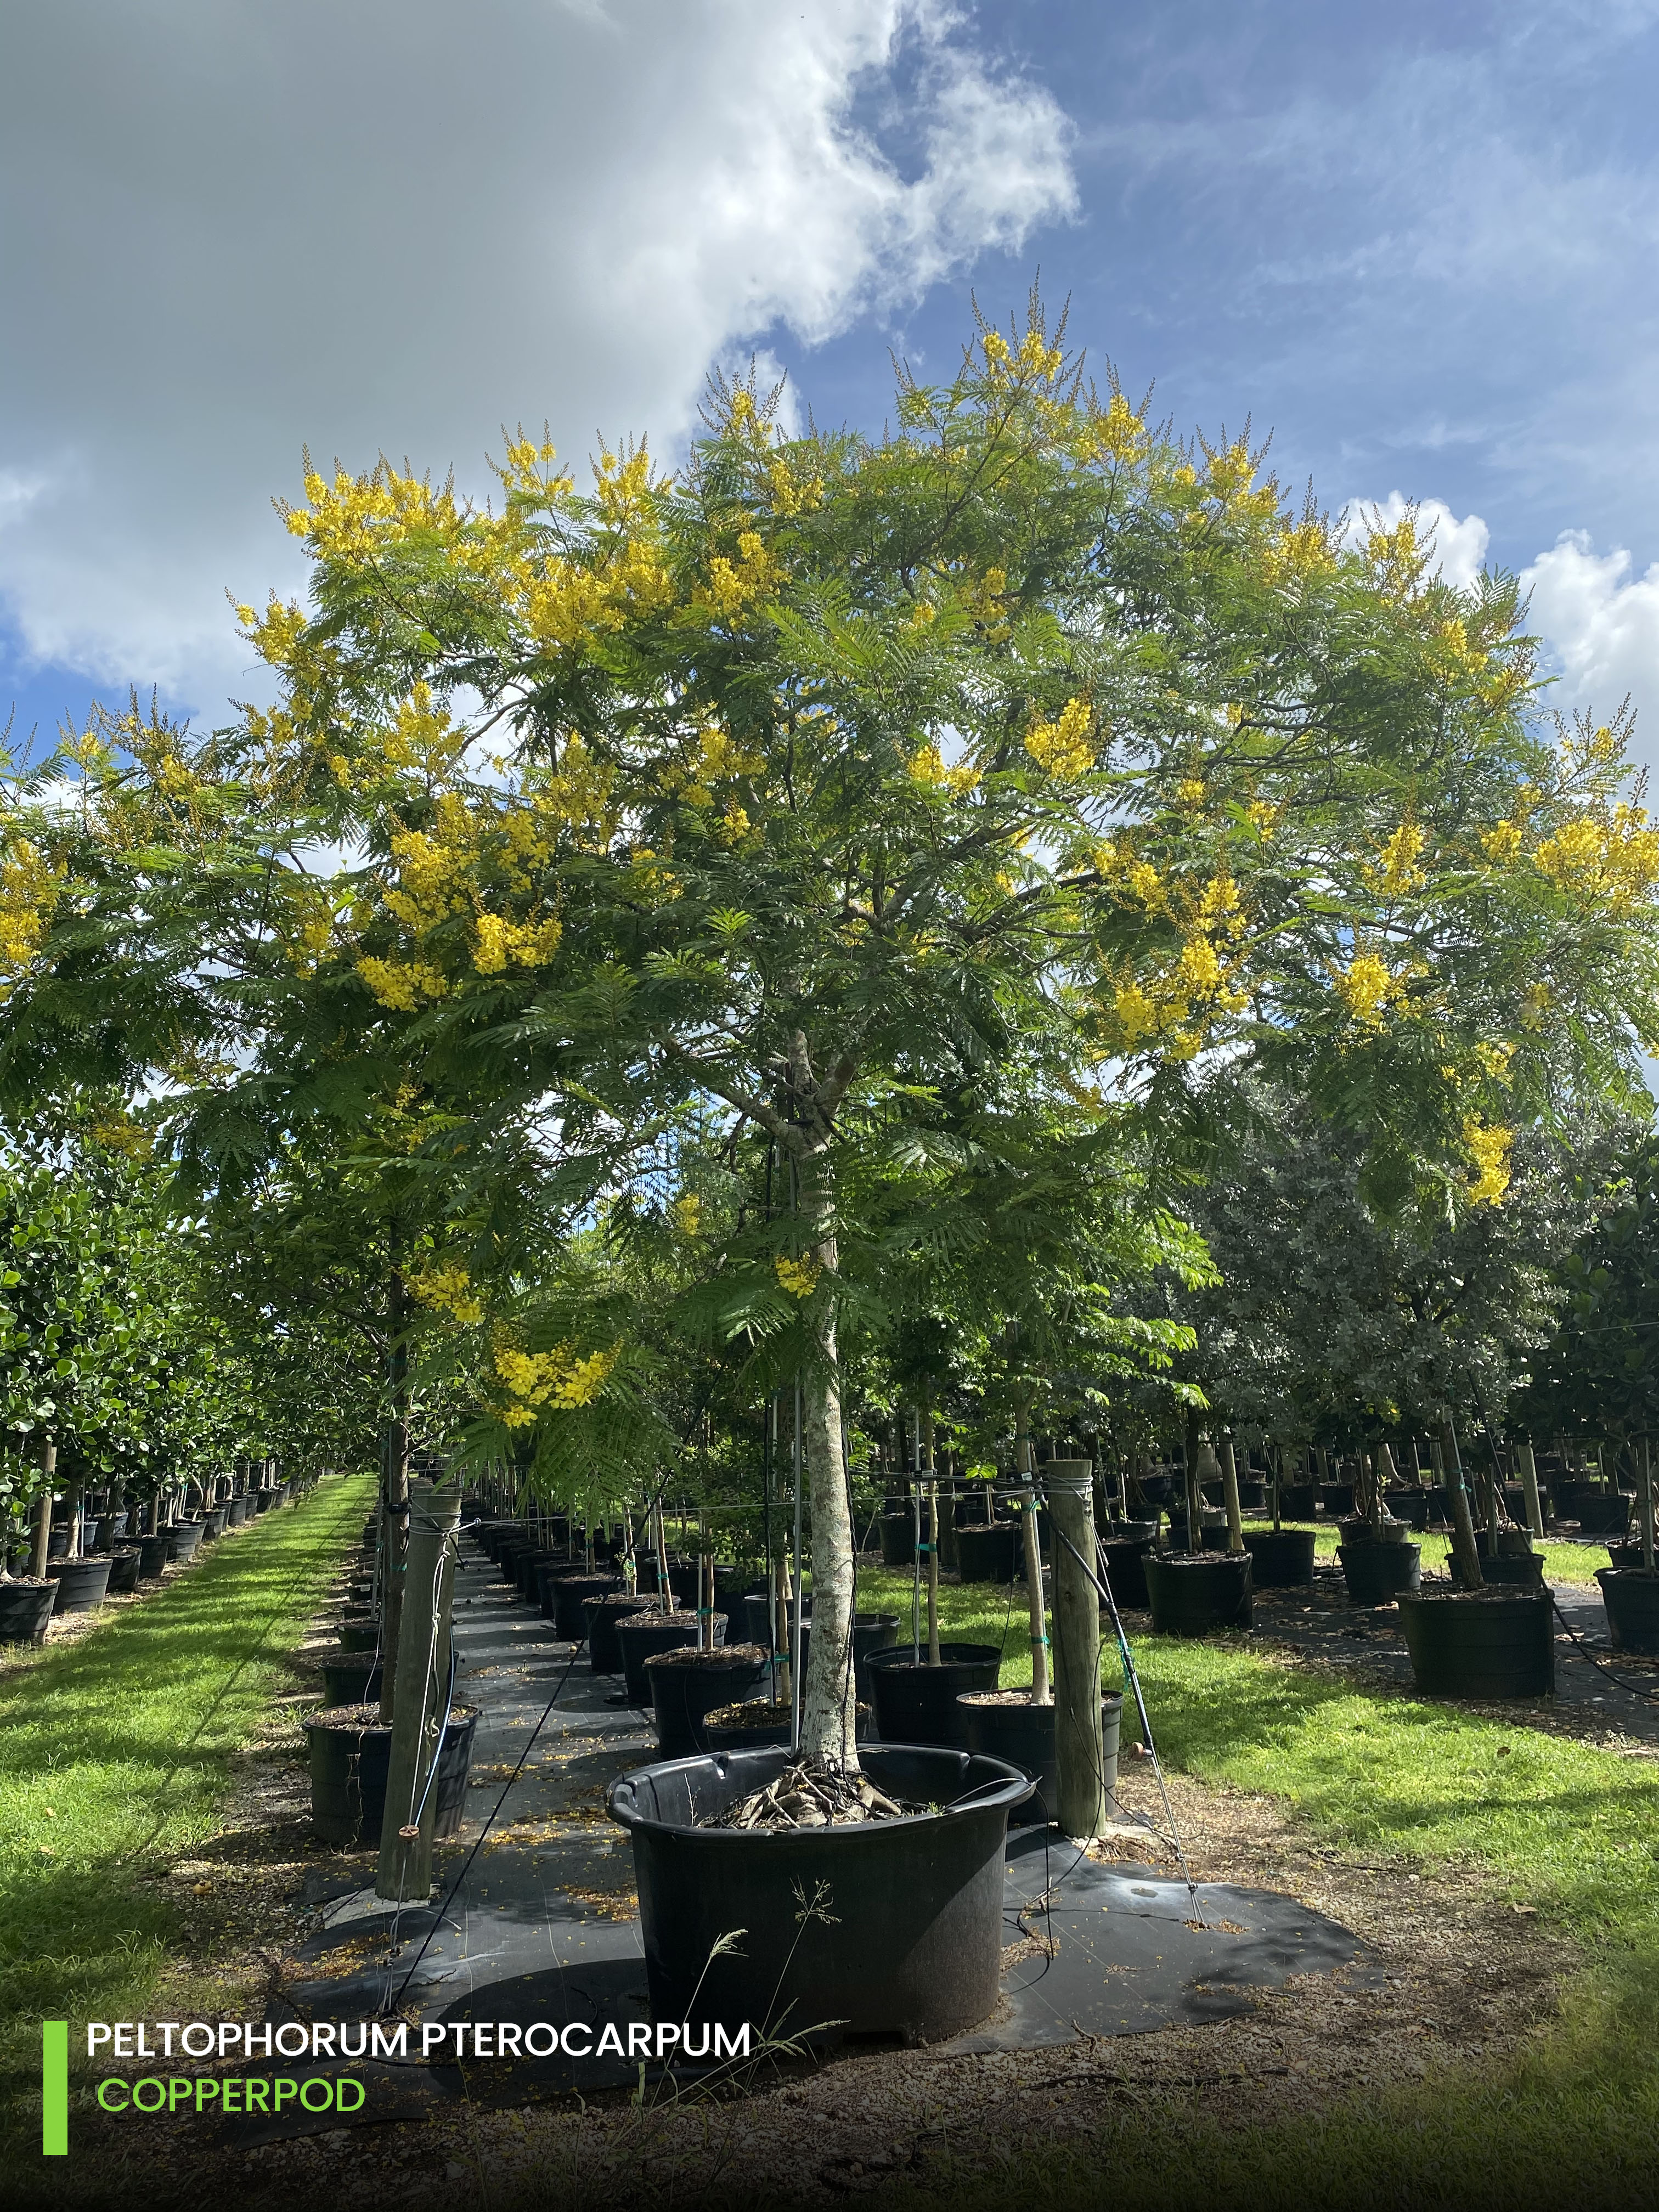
(116, 1758)
(1571, 1831)
(1563, 1562)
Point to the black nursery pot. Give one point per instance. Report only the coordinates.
(213, 1522)
(153, 1552)
(571, 1596)
(1605, 1512)
(350, 1753)
(756, 1625)
(25, 1609)
(871, 1633)
(898, 1539)
(1298, 1501)
(1631, 1597)
(916, 1703)
(909, 1939)
(265, 1499)
(601, 1617)
(184, 1540)
(83, 1584)
(1377, 1567)
(640, 1635)
(235, 1512)
(360, 1635)
(1126, 1560)
(1280, 1559)
(1337, 1498)
(124, 1570)
(351, 1678)
(988, 1553)
(1411, 1506)
(1480, 1644)
(1198, 1595)
(1022, 1734)
(685, 1685)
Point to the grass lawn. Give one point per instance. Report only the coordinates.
(1567, 1830)
(116, 1756)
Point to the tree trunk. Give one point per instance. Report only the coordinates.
(405, 1864)
(1194, 1496)
(394, 1497)
(43, 1509)
(1079, 1752)
(1032, 1535)
(1463, 1550)
(1529, 1467)
(1646, 1486)
(829, 1706)
(1229, 1491)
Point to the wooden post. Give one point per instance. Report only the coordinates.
(1647, 1507)
(1230, 1493)
(419, 1710)
(1462, 1541)
(1081, 1811)
(1529, 1467)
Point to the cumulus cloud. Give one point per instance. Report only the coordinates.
(1601, 621)
(400, 224)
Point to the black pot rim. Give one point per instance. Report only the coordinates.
(1015, 1786)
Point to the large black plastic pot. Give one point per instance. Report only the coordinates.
(602, 1616)
(731, 1586)
(350, 1753)
(530, 1563)
(153, 1552)
(1337, 1498)
(988, 1553)
(265, 1499)
(1480, 1644)
(124, 1570)
(1631, 1597)
(184, 1539)
(640, 1635)
(1022, 1734)
(213, 1522)
(1411, 1506)
(1514, 1570)
(236, 1513)
(1280, 1559)
(1126, 1560)
(571, 1596)
(1156, 1489)
(1252, 1494)
(898, 1539)
(351, 1678)
(918, 1704)
(907, 1939)
(548, 1576)
(1605, 1512)
(110, 1528)
(756, 1625)
(1213, 1531)
(1298, 1501)
(1377, 1567)
(57, 1542)
(358, 1635)
(684, 1687)
(83, 1584)
(1197, 1594)
(25, 1609)
(871, 1633)
(682, 1575)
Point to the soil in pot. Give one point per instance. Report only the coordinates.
(1631, 1597)
(83, 1584)
(1479, 1643)
(1005, 1724)
(1126, 1560)
(350, 1753)
(918, 1704)
(350, 1678)
(1200, 1592)
(1377, 1568)
(570, 1594)
(602, 1616)
(25, 1609)
(640, 1635)
(759, 1722)
(685, 1685)
(909, 1939)
(124, 1570)
(1280, 1559)
(988, 1553)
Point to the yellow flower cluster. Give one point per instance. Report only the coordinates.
(119, 1132)
(351, 518)
(686, 1213)
(30, 889)
(560, 1378)
(1063, 747)
(798, 1276)
(792, 494)
(403, 984)
(1612, 863)
(1489, 1147)
(735, 585)
(1368, 987)
(1398, 871)
(1114, 432)
(447, 1288)
(1036, 360)
(524, 944)
(928, 767)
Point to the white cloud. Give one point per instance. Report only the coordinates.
(231, 231)
(1601, 624)
(1460, 547)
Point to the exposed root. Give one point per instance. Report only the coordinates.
(808, 1796)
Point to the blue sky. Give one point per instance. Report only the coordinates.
(1418, 244)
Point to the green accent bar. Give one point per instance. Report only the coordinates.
(54, 2088)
